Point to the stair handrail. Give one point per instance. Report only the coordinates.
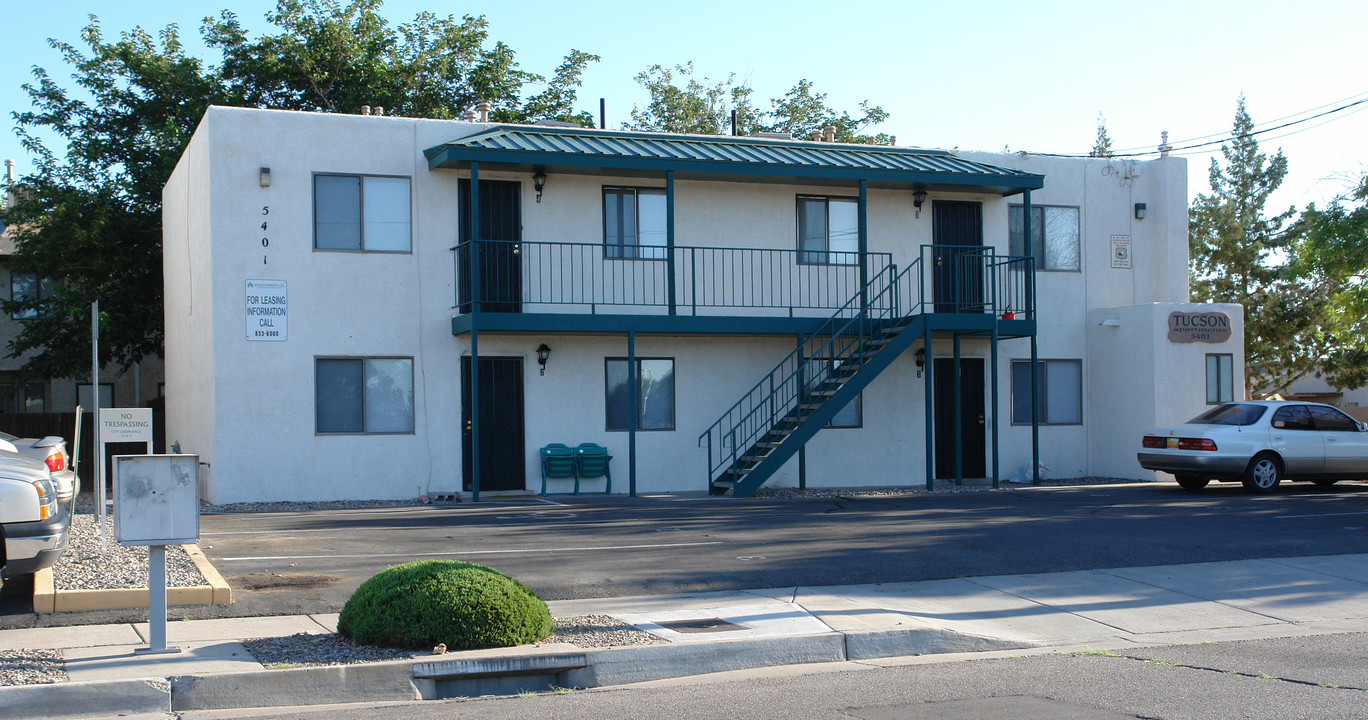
(781, 376)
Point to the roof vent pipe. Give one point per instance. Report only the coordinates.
(483, 110)
(379, 110)
(830, 133)
(468, 116)
(816, 135)
(365, 109)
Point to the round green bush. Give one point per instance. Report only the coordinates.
(423, 603)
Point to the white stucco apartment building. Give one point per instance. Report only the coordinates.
(721, 313)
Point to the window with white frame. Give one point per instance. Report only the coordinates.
(828, 230)
(362, 213)
(1054, 235)
(1059, 389)
(1220, 380)
(656, 390)
(370, 395)
(634, 223)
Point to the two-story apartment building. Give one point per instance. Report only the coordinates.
(380, 307)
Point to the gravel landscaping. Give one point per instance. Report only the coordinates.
(87, 566)
(31, 667)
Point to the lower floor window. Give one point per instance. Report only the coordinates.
(850, 415)
(28, 397)
(1059, 391)
(363, 395)
(655, 387)
(1220, 382)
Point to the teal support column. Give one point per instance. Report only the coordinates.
(956, 381)
(863, 234)
(930, 417)
(474, 334)
(1035, 414)
(670, 237)
(633, 390)
(994, 360)
(802, 450)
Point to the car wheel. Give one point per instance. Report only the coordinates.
(1325, 482)
(1192, 482)
(1263, 474)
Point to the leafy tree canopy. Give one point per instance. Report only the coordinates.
(1102, 146)
(682, 103)
(89, 218)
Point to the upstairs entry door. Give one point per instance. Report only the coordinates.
(500, 266)
(957, 233)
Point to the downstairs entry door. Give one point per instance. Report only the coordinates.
(972, 426)
(503, 465)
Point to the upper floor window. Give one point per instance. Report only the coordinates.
(1054, 236)
(828, 230)
(27, 286)
(362, 213)
(634, 223)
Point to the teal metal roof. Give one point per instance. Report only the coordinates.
(557, 149)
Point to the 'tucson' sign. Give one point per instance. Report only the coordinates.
(1207, 327)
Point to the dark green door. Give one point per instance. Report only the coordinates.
(500, 268)
(957, 234)
(502, 465)
(971, 427)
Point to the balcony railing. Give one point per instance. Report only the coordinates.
(593, 278)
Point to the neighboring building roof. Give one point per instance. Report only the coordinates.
(576, 150)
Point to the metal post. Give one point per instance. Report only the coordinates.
(1030, 251)
(474, 238)
(156, 599)
(99, 489)
(802, 449)
(994, 361)
(670, 236)
(137, 386)
(956, 380)
(633, 391)
(1035, 414)
(930, 419)
(474, 415)
(863, 235)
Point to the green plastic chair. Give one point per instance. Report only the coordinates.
(591, 461)
(558, 462)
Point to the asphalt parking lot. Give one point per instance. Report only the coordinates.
(587, 546)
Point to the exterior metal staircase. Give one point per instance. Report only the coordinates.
(768, 425)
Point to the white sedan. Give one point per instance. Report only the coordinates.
(1260, 444)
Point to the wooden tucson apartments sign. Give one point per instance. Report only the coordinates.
(1207, 327)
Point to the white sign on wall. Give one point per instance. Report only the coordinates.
(119, 425)
(266, 310)
(1121, 252)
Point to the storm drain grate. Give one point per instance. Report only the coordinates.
(705, 625)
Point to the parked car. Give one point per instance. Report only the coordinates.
(1260, 444)
(52, 450)
(34, 529)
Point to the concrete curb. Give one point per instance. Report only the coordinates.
(876, 644)
(46, 598)
(105, 698)
(334, 684)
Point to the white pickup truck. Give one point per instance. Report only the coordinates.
(34, 529)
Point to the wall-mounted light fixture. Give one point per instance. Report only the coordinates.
(539, 182)
(543, 354)
(921, 360)
(264, 177)
(918, 198)
(1139, 211)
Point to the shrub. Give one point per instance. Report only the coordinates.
(423, 603)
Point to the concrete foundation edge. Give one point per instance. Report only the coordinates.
(340, 684)
(105, 698)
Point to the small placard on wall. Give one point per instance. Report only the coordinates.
(1121, 252)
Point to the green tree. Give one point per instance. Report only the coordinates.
(1238, 254)
(1330, 254)
(1102, 146)
(90, 218)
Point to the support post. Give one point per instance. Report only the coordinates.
(156, 599)
(474, 415)
(634, 391)
(1035, 414)
(95, 416)
(670, 237)
(802, 450)
(956, 381)
(930, 413)
(994, 361)
(863, 240)
(474, 240)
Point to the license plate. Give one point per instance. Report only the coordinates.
(1173, 442)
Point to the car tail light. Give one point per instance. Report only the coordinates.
(1196, 444)
(55, 462)
(1153, 441)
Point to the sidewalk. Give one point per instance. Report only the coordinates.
(713, 632)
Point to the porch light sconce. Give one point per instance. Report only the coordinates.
(539, 182)
(918, 198)
(543, 354)
(1139, 211)
(921, 360)
(264, 177)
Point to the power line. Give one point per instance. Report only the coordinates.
(1225, 133)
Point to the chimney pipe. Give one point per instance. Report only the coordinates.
(733, 122)
(379, 110)
(483, 110)
(468, 116)
(365, 109)
(603, 113)
(830, 133)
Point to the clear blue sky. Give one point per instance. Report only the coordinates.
(973, 75)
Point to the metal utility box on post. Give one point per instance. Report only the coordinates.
(156, 503)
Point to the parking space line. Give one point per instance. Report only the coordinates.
(475, 552)
(1316, 515)
(290, 531)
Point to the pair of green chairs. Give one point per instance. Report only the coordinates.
(587, 461)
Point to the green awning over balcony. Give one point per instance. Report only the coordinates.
(714, 157)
